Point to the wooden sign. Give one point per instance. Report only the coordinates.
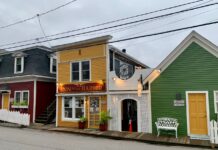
(86, 87)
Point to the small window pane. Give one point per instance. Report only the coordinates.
(75, 66)
(85, 71)
(54, 65)
(75, 76)
(79, 113)
(86, 75)
(25, 97)
(68, 112)
(17, 97)
(85, 65)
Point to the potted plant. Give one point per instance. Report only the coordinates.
(82, 122)
(104, 117)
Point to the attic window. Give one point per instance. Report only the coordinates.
(53, 65)
(18, 65)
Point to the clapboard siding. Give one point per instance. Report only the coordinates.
(194, 70)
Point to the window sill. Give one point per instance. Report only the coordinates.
(70, 120)
(13, 106)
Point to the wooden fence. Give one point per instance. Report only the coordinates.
(213, 132)
(15, 117)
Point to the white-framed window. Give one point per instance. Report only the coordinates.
(21, 98)
(73, 107)
(216, 101)
(53, 65)
(80, 71)
(18, 64)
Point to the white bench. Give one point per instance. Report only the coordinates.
(166, 124)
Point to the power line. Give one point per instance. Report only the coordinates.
(133, 22)
(33, 17)
(42, 29)
(148, 35)
(105, 23)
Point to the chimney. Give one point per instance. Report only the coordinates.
(124, 50)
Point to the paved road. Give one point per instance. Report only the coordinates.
(29, 139)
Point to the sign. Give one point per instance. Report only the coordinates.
(86, 87)
(179, 103)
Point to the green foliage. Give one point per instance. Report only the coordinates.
(23, 103)
(104, 117)
(83, 119)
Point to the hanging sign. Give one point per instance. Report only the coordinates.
(86, 87)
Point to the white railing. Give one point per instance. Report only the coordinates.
(213, 132)
(15, 117)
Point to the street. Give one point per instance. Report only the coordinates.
(30, 139)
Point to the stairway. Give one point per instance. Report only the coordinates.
(48, 115)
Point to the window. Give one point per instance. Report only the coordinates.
(21, 97)
(80, 71)
(216, 101)
(19, 65)
(53, 65)
(73, 107)
(85, 71)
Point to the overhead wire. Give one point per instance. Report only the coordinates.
(133, 22)
(105, 23)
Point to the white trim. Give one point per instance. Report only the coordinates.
(51, 65)
(215, 101)
(207, 109)
(139, 129)
(21, 96)
(73, 119)
(192, 37)
(15, 65)
(80, 71)
(34, 100)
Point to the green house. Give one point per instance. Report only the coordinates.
(187, 87)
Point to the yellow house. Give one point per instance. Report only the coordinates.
(92, 77)
(81, 81)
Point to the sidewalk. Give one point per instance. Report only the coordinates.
(142, 137)
(135, 136)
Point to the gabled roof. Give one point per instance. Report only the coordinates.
(192, 37)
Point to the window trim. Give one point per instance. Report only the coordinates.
(80, 71)
(215, 101)
(73, 109)
(15, 65)
(21, 95)
(51, 65)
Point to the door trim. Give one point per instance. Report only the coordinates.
(207, 109)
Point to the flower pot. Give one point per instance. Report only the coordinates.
(82, 125)
(103, 127)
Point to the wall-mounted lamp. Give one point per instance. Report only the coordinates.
(114, 78)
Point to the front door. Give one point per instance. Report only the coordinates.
(5, 100)
(94, 109)
(197, 114)
(129, 113)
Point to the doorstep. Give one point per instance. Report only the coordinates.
(136, 136)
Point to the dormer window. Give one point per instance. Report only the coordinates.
(53, 64)
(18, 65)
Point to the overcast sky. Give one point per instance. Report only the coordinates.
(81, 13)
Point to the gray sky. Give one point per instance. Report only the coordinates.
(81, 13)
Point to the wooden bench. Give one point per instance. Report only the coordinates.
(167, 124)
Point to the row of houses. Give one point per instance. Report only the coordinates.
(88, 77)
